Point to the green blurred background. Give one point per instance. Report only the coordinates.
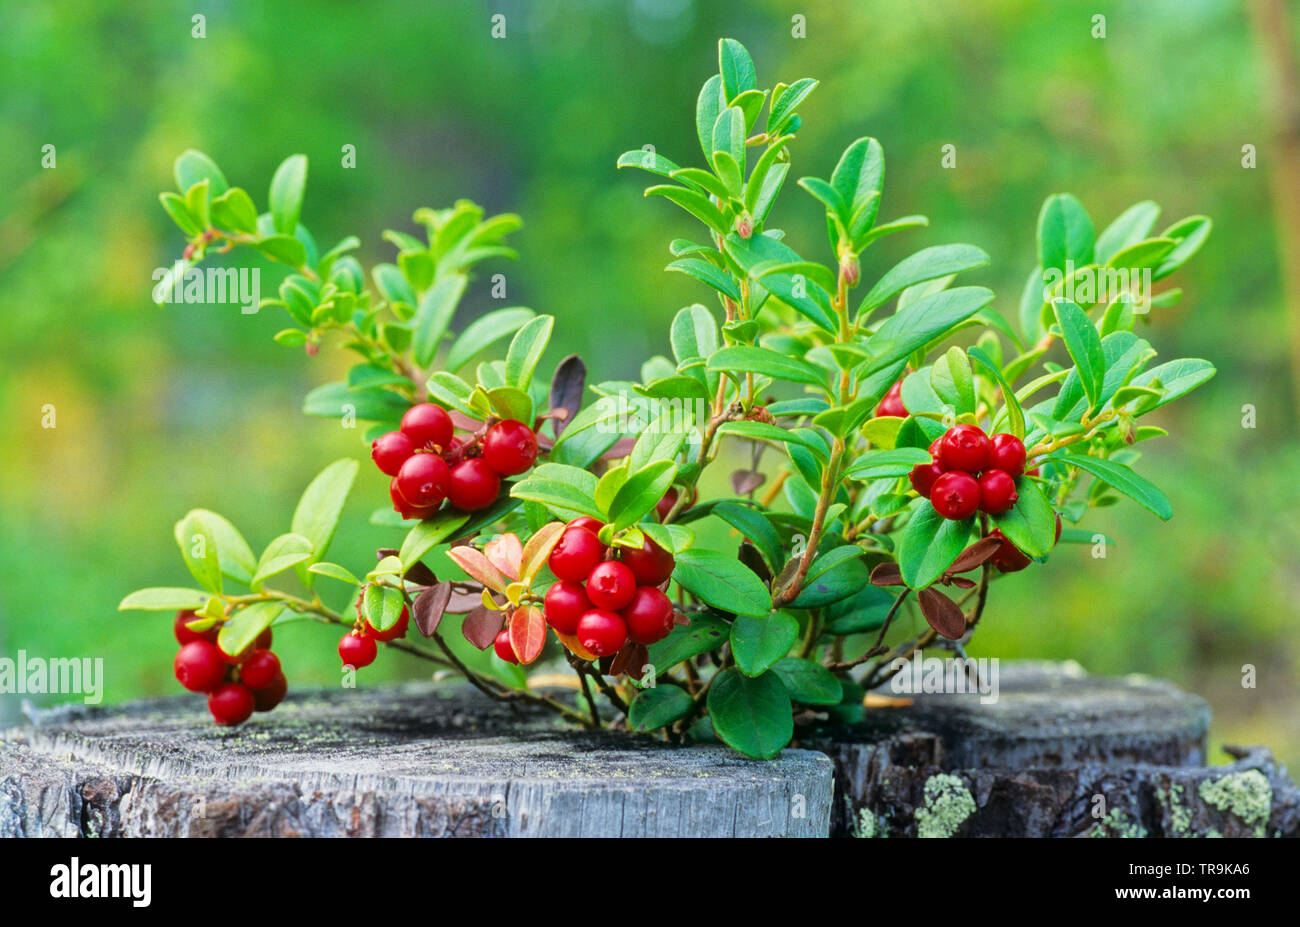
(160, 409)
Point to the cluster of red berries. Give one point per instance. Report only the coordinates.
(360, 646)
(971, 472)
(428, 463)
(237, 685)
(600, 601)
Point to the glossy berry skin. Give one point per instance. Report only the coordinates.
(184, 635)
(611, 585)
(650, 564)
(423, 480)
(231, 704)
(586, 521)
(427, 425)
(260, 669)
(965, 448)
(955, 495)
(997, 492)
(474, 485)
(503, 648)
(270, 695)
(565, 602)
(923, 477)
(404, 508)
(200, 666)
(1009, 558)
(649, 616)
(576, 555)
(357, 650)
(510, 447)
(393, 633)
(602, 632)
(390, 451)
(1008, 454)
(892, 403)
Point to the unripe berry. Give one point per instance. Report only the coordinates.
(393, 633)
(503, 647)
(565, 603)
(892, 404)
(390, 451)
(610, 585)
(427, 425)
(1008, 454)
(423, 480)
(576, 555)
(602, 632)
(199, 666)
(184, 635)
(649, 616)
(357, 650)
(510, 447)
(997, 492)
(231, 704)
(649, 563)
(923, 477)
(260, 669)
(474, 485)
(270, 695)
(955, 495)
(965, 448)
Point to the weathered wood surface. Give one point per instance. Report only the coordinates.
(1060, 753)
(387, 762)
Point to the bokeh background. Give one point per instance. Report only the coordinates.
(160, 409)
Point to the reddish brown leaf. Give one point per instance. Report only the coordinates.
(887, 574)
(527, 629)
(566, 390)
(961, 582)
(481, 627)
(619, 666)
(942, 613)
(751, 558)
(465, 597)
(421, 575)
(975, 555)
(743, 482)
(622, 447)
(429, 607)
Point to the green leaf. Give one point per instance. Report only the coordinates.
(428, 534)
(526, 350)
(282, 553)
(930, 544)
(1015, 415)
(637, 497)
(484, 332)
(334, 571)
(834, 575)
(433, 315)
(703, 180)
(922, 322)
(334, 400)
(180, 213)
(928, 264)
(318, 511)
(234, 211)
(783, 107)
(748, 359)
(828, 196)
(239, 633)
(751, 714)
(163, 599)
(722, 581)
(658, 707)
(283, 248)
(707, 108)
(694, 334)
(858, 178)
(285, 197)
(1190, 233)
(1065, 233)
(1132, 226)
(1122, 479)
(761, 431)
(755, 526)
(874, 465)
(193, 167)
(1030, 524)
(383, 606)
(1084, 344)
(757, 643)
(807, 682)
(1177, 377)
(649, 161)
(736, 68)
(697, 204)
(708, 274)
(565, 490)
(729, 138)
(952, 380)
(198, 544)
(705, 633)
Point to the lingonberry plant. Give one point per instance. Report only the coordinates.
(894, 460)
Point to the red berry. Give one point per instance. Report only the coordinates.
(184, 635)
(1009, 558)
(586, 521)
(1037, 471)
(934, 448)
(602, 632)
(649, 616)
(200, 666)
(270, 695)
(474, 485)
(955, 495)
(404, 508)
(1008, 454)
(427, 425)
(358, 650)
(262, 642)
(393, 633)
(510, 447)
(892, 403)
(649, 563)
(611, 585)
(231, 704)
(565, 602)
(260, 669)
(390, 451)
(923, 477)
(505, 650)
(1058, 529)
(665, 505)
(423, 480)
(576, 555)
(997, 492)
(965, 447)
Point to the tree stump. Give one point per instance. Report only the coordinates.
(387, 761)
